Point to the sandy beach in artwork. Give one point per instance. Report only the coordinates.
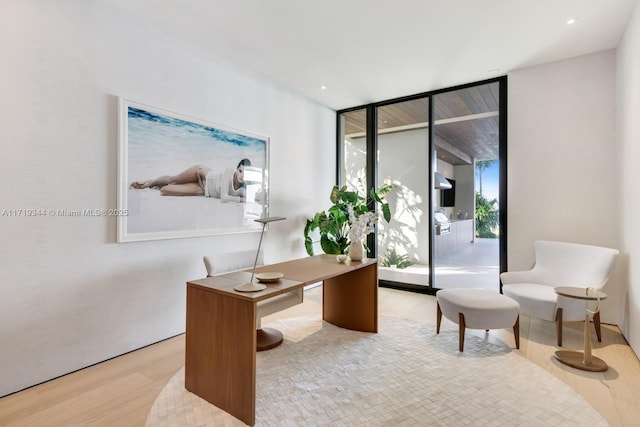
(150, 212)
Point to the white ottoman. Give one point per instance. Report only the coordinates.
(478, 309)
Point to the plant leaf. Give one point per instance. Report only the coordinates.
(329, 246)
(375, 196)
(326, 223)
(351, 197)
(339, 214)
(335, 194)
(386, 211)
(308, 227)
(308, 245)
(385, 189)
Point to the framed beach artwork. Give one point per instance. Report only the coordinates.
(183, 177)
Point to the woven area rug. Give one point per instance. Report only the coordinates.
(405, 375)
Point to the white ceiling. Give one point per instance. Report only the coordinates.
(371, 50)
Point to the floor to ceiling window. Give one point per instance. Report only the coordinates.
(466, 147)
(447, 166)
(353, 143)
(403, 153)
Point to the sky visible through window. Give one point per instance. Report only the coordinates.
(489, 182)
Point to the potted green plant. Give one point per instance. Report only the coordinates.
(349, 214)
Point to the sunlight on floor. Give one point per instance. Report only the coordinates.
(475, 266)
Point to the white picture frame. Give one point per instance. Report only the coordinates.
(155, 144)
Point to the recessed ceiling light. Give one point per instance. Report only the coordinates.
(571, 21)
(323, 87)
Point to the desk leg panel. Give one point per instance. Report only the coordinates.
(220, 353)
(351, 300)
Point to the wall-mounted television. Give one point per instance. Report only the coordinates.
(448, 197)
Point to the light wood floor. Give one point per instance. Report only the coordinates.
(120, 392)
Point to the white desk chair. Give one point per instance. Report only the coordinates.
(559, 264)
(267, 338)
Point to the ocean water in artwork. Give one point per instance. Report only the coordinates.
(162, 145)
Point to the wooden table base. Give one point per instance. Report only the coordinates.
(575, 359)
(583, 360)
(268, 338)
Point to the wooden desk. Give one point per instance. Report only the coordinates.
(220, 359)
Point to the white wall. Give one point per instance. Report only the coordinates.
(465, 176)
(628, 135)
(403, 158)
(561, 181)
(69, 295)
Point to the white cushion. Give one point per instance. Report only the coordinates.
(572, 264)
(482, 309)
(535, 300)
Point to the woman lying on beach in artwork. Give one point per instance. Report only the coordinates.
(200, 180)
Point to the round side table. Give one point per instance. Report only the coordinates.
(583, 360)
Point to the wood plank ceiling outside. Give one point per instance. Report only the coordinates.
(466, 122)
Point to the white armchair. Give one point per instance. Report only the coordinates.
(266, 338)
(559, 264)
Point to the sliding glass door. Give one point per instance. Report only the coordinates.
(466, 149)
(352, 150)
(445, 154)
(403, 152)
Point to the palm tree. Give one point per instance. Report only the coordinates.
(481, 166)
(486, 210)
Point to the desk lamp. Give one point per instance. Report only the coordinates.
(250, 286)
